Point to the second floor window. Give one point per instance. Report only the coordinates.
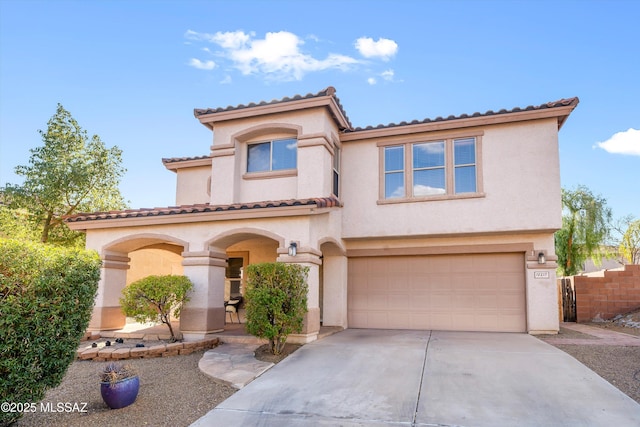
(274, 155)
(426, 169)
(336, 172)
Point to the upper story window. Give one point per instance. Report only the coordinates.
(464, 163)
(273, 155)
(336, 171)
(394, 172)
(435, 169)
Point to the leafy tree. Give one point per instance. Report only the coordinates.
(585, 226)
(69, 173)
(16, 224)
(156, 298)
(276, 301)
(630, 244)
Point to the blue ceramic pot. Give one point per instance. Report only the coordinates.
(121, 394)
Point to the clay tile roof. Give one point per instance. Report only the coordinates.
(183, 159)
(560, 103)
(329, 91)
(320, 202)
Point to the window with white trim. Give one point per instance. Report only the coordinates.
(433, 169)
(273, 155)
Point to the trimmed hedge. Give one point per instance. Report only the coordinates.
(46, 300)
(276, 298)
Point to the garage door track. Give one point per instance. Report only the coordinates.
(420, 378)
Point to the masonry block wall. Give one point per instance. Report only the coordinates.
(618, 292)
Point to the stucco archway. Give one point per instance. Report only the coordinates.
(145, 249)
(333, 283)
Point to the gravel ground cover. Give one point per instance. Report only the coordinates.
(173, 392)
(619, 365)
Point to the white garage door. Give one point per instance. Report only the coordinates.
(475, 292)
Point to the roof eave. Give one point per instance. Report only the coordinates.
(561, 113)
(137, 221)
(174, 165)
(328, 101)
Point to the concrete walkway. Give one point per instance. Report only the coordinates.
(233, 364)
(596, 336)
(422, 378)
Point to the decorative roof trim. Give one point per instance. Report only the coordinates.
(559, 109)
(199, 212)
(175, 163)
(324, 98)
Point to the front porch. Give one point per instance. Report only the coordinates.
(233, 333)
(211, 245)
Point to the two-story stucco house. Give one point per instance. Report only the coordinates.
(442, 224)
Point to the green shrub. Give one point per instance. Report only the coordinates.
(276, 298)
(46, 299)
(154, 298)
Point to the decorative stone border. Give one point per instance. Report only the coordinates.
(102, 354)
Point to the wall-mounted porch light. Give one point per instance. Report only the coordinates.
(541, 258)
(293, 249)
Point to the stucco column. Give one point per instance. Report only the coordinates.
(542, 293)
(334, 311)
(107, 314)
(307, 257)
(204, 312)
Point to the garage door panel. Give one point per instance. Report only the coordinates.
(378, 301)
(439, 282)
(464, 282)
(417, 301)
(487, 301)
(465, 300)
(507, 301)
(397, 302)
(483, 292)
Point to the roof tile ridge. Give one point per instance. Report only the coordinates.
(553, 104)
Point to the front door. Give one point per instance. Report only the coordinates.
(233, 276)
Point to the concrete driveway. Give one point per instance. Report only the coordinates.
(421, 378)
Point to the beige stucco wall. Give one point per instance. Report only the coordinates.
(520, 175)
(193, 185)
(315, 132)
(147, 262)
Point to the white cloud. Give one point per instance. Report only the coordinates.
(388, 75)
(281, 55)
(426, 190)
(231, 40)
(627, 142)
(202, 65)
(278, 54)
(383, 48)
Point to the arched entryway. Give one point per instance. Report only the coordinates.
(214, 281)
(125, 260)
(333, 284)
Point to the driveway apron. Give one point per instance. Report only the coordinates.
(418, 378)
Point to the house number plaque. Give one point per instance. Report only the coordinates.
(540, 274)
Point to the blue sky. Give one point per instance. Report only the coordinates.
(133, 71)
